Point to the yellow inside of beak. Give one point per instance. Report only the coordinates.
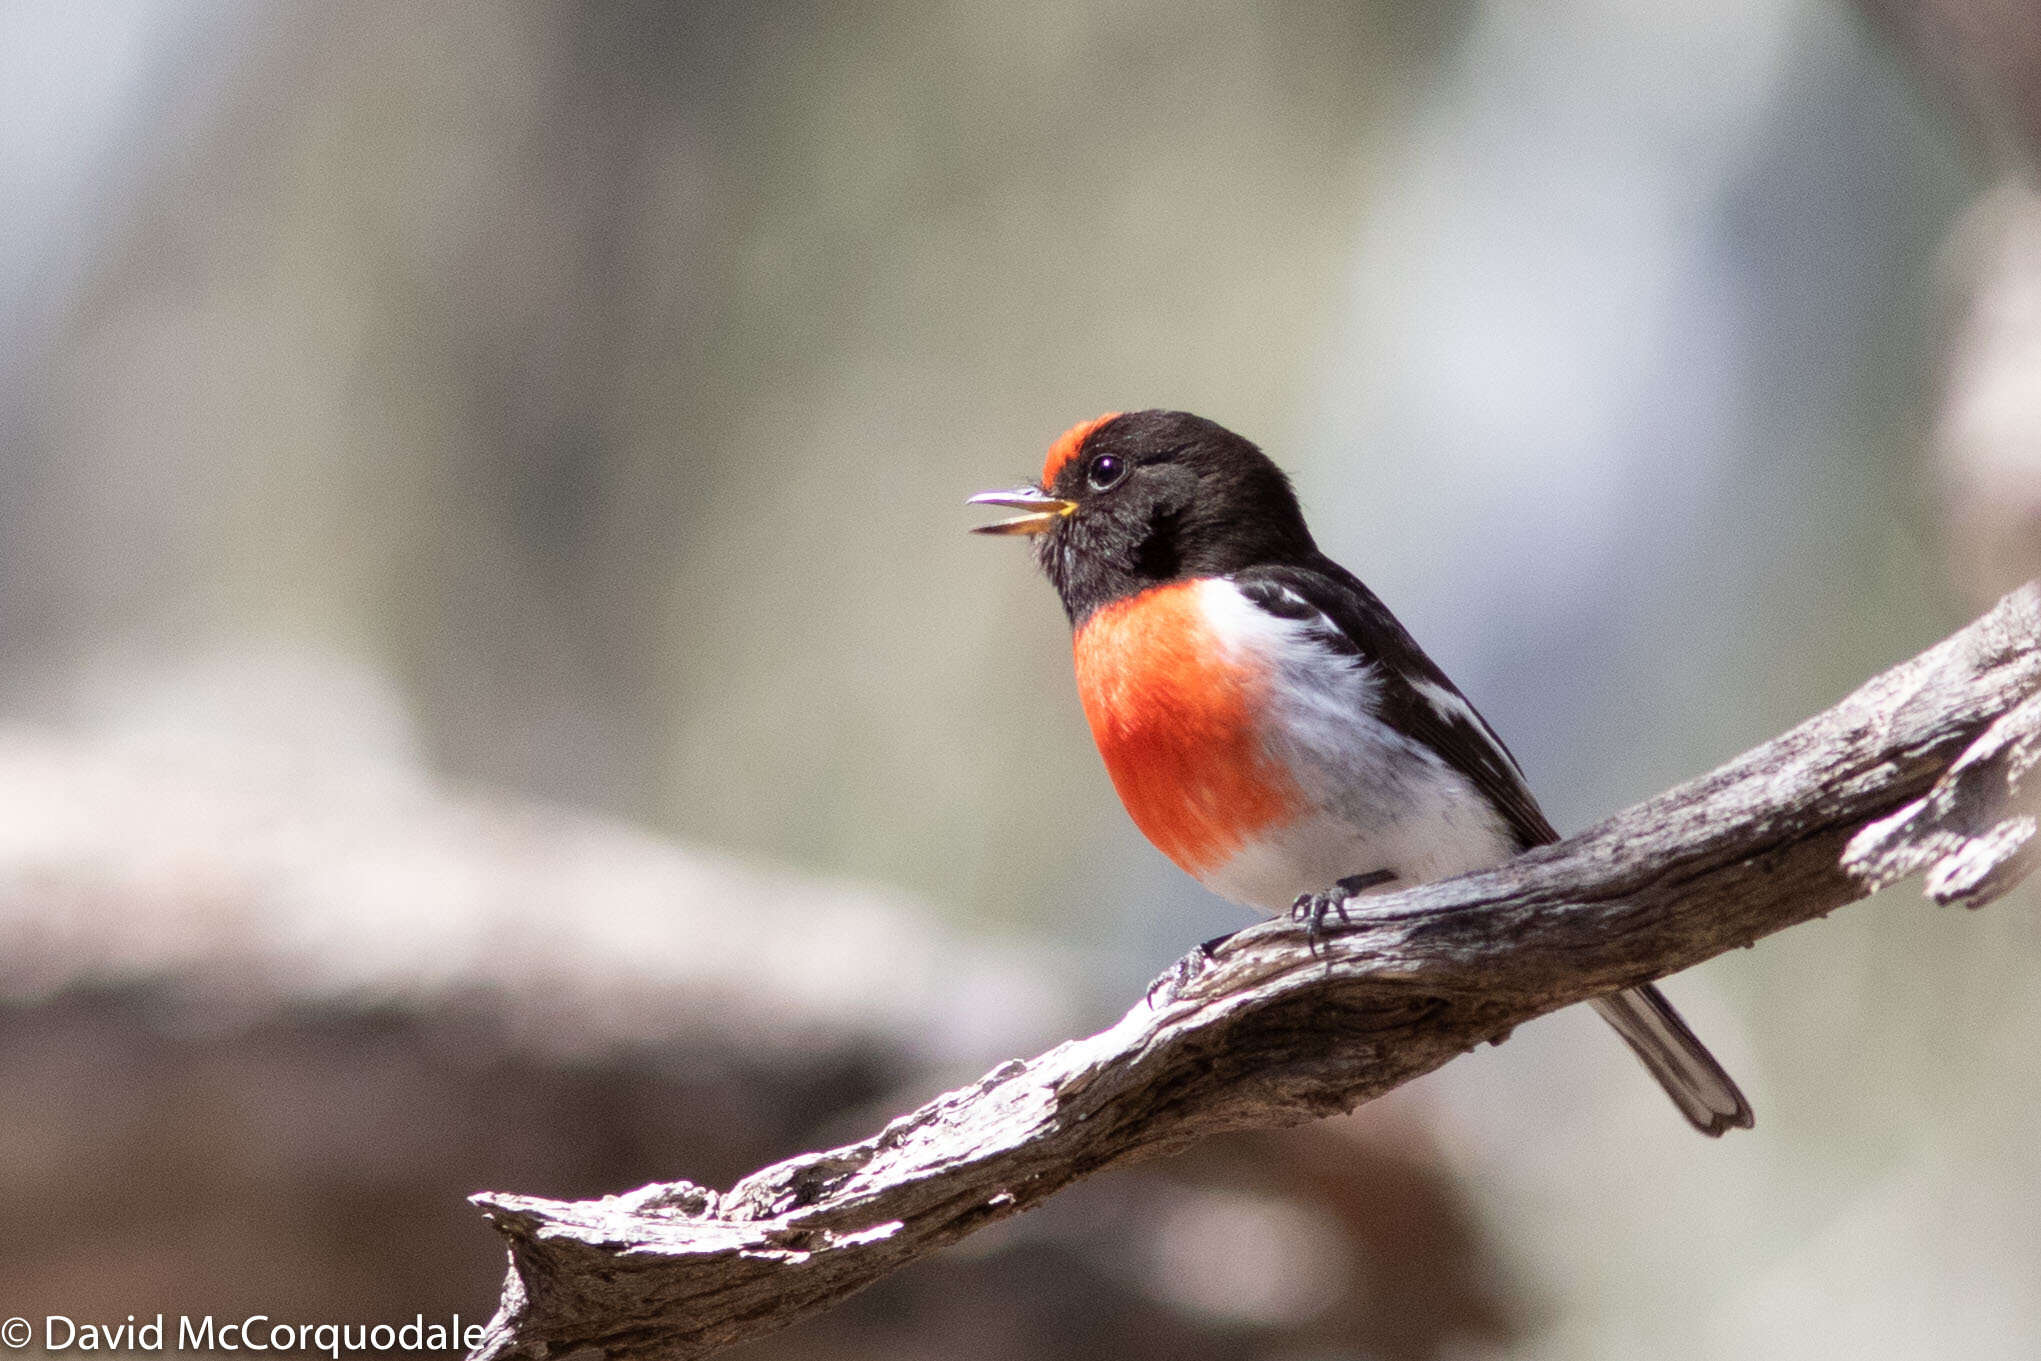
(1042, 511)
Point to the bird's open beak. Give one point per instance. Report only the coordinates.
(1043, 511)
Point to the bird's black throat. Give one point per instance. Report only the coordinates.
(1195, 500)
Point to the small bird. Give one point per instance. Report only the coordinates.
(1267, 722)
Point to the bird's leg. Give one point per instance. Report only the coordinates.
(1313, 908)
(1210, 948)
(1310, 908)
(1187, 968)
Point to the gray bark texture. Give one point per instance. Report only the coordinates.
(1928, 769)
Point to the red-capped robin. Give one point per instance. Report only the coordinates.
(1268, 724)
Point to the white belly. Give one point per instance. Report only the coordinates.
(1311, 854)
(1373, 799)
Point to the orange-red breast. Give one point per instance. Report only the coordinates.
(1268, 724)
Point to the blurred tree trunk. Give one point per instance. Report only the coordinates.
(1985, 57)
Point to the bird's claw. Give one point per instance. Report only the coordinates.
(1312, 909)
(1184, 970)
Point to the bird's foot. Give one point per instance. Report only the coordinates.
(1165, 988)
(1312, 909)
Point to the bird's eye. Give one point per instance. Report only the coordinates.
(1105, 471)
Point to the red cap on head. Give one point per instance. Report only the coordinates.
(1066, 446)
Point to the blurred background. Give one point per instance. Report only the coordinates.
(495, 690)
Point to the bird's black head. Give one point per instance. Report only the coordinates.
(1131, 501)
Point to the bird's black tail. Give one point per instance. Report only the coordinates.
(1705, 1094)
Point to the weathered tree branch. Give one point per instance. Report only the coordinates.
(1927, 769)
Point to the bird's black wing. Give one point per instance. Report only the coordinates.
(1417, 698)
